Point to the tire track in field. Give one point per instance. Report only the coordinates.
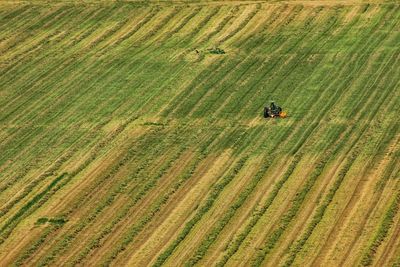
(245, 213)
(17, 23)
(200, 102)
(27, 69)
(48, 172)
(278, 142)
(60, 159)
(228, 104)
(164, 22)
(99, 15)
(165, 39)
(196, 29)
(332, 27)
(275, 22)
(247, 97)
(106, 242)
(215, 231)
(50, 15)
(127, 35)
(287, 216)
(228, 99)
(226, 20)
(162, 182)
(320, 210)
(215, 191)
(98, 148)
(13, 15)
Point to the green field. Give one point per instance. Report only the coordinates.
(124, 141)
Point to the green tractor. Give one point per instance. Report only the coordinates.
(274, 111)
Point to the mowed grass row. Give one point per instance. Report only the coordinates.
(126, 142)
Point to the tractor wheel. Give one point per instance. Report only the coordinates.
(266, 112)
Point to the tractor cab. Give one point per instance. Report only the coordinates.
(274, 111)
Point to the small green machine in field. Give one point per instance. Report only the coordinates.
(274, 111)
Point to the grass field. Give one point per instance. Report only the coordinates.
(122, 145)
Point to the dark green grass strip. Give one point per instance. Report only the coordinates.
(215, 192)
(296, 203)
(14, 14)
(94, 153)
(96, 242)
(36, 200)
(66, 240)
(269, 245)
(218, 28)
(296, 150)
(135, 229)
(186, 40)
(255, 219)
(149, 185)
(234, 246)
(122, 187)
(296, 248)
(216, 230)
(229, 214)
(24, 212)
(382, 233)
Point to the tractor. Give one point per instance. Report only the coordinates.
(274, 111)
